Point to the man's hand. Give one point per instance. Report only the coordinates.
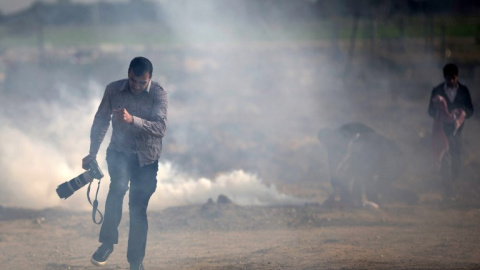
(459, 113)
(87, 160)
(438, 100)
(123, 115)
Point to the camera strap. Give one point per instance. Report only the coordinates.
(95, 204)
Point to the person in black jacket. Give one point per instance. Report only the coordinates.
(459, 104)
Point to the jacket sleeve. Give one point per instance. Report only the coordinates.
(101, 122)
(467, 103)
(157, 126)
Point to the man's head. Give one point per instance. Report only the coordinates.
(139, 74)
(450, 73)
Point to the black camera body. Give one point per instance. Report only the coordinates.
(66, 189)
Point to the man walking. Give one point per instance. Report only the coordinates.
(450, 104)
(137, 108)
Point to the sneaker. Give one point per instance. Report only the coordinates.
(136, 266)
(100, 256)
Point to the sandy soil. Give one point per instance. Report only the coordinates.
(215, 236)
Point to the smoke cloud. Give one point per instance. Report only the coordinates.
(250, 84)
(44, 147)
(241, 187)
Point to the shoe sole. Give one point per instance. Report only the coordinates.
(97, 263)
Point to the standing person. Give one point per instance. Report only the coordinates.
(450, 104)
(137, 108)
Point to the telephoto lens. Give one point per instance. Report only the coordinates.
(66, 189)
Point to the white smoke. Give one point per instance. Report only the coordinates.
(41, 148)
(47, 151)
(31, 169)
(243, 188)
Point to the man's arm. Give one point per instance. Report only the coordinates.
(158, 125)
(467, 103)
(101, 122)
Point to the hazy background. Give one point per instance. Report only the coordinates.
(250, 84)
(12, 6)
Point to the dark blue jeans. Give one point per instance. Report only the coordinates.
(124, 168)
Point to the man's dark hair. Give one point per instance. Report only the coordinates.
(450, 70)
(141, 65)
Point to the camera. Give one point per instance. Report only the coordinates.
(66, 189)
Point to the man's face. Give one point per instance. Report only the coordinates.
(138, 83)
(451, 80)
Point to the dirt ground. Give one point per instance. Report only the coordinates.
(226, 236)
